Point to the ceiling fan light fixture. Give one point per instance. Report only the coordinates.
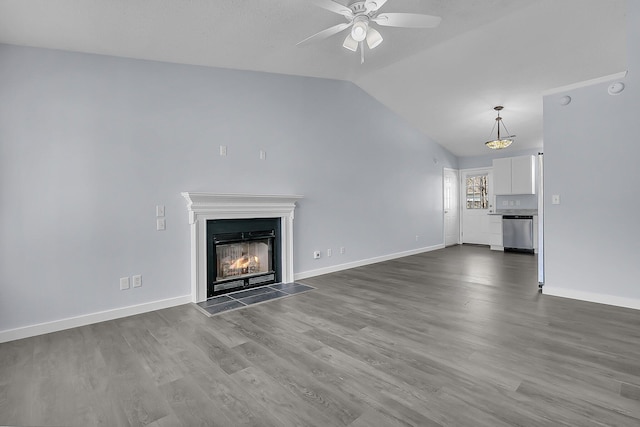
(499, 143)
(359, 29)
(374, 38)
(350, 43)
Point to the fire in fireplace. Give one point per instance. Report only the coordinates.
(242, 253)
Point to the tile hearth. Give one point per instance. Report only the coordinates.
(241, 299)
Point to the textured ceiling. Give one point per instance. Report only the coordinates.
(444, 81)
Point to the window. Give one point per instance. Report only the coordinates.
(477, 189)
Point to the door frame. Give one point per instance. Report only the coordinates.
(462, 192)
(458, 196)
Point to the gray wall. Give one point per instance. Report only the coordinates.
(591, 161)
(90, 144)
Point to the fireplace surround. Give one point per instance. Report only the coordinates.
(204, 207)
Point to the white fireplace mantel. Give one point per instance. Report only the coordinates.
(206, 206)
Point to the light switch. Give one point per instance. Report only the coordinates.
(555, 199)
(161, 224)
(159, 210)
(223, 150)
(263, 155)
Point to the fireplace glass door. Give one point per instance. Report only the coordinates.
(244, 259)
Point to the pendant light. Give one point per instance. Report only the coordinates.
(499, 142)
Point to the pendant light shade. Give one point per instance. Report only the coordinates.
(499, 142)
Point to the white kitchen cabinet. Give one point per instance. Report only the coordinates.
(502, 176)
(514, 175)
(495, 232)
(523, 175)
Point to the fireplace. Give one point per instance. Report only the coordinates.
(241, 254)
(205, 207)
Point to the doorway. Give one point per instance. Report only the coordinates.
(477, 201)
(451, 207)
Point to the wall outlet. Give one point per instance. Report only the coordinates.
(511, 203)
(160, 210)
(329, 252)
(161, 224)
(342, 249)
(137, 281)
(316, 254)
(517, 202)
(263, 155)
(124, 283)
(505, 203)
(223, 150)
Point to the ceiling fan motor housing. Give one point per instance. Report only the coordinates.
(358, 7)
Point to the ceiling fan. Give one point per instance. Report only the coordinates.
(360, 15)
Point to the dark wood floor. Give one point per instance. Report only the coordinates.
(456, 337)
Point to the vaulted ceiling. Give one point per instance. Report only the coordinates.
(444, 81)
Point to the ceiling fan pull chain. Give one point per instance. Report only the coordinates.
(361, 52)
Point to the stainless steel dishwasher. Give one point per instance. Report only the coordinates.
(517, 233)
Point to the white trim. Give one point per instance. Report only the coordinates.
(604, 79)
(207, 206)
(459, 213)
(88, 319)
(363, 262)
(592, 297)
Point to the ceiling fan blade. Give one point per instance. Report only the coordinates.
(325, 33)
(408, 20)
(334, 7)
(373, 5)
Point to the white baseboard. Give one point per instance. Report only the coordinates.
(340, 267)
(592, 297)
(88, 319)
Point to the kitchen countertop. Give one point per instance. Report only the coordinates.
(531, 212)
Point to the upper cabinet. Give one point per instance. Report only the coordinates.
(523, 175)
(501, 176)
(514, 175)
